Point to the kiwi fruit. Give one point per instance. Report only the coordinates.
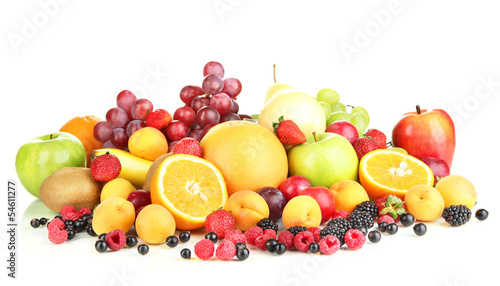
(73, 186)
(152, 170)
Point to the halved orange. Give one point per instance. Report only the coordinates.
(386, 172)
(190, 188)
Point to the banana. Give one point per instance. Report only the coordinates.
(134, 169)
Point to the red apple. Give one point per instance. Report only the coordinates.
(325, 200)
(344, 128)
(426, 133)
(292, 186)
(439, 167)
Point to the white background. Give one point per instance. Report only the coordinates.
(67, 59)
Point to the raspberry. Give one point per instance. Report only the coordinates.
(219, 222)
(270, 233)
(115, 239)
(287, 238)
(329, 244)
(188, 146)
(387, 218)
(341, 214)
(56, 224)
(316, 231)
(66, 209)
(204, 249)
(260, 241)
(354, 239)
(58, 236)
(71, 216)
(83, 211)
(226, 250)
(302, 240)
(235, 236)
(252, 233)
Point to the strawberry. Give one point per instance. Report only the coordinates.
(188, 146)
(378, 136)
(391, 205)
(219, 222)
(158, 119)
(364, 145)
(288, 132)
(105, 167)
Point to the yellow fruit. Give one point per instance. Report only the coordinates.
(148, 143)
(134, 169)
(248, 155)
(154, 224)
(277, 88)
(301, 211)
(348, 194)
(118, 187)
(113, 213)
(247, 208)
(190, 188)
(424, 202)
(386, 172)
(457, 190)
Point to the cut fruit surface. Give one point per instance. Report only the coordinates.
(385, 172)
(190, 188)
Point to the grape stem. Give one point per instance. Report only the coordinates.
(274, 72)
(418, 109)
(314, 135)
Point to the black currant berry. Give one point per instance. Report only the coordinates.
(420, 229)
(212, 236)
(101, 245)
(407, 219)
(131, 241)
(186, 253)
(172, 241)
(143, 249)
(242, 253)
(314, 247)
(374, 236)
(392, 228)
(482, 214)
(35, 223)
(280, 248)
(184, 236)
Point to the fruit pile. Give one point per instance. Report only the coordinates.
(303, 175)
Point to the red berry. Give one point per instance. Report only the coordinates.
(288, 132)
(270, 233)
(235, 236)
(379, 137)
(158, 119)
(387, 218)
(188, 146)
(302, 240)
(329, 245)
(364, 145)
(354, 239)
(260, 241)
(226, 250)
(56, 223)
(71, 216)
(204, 249)
(287, 238)
(105, 167)
(83, 211)
(66, 209)
(219, 222)
(316, 233)
(253, 233)
(58, 236)
(115, 239)
(342, 214)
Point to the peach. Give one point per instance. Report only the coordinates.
(118, 187)
(424, 202)
(302, 210)
(113, 213)
(247, 208)
(348, 194)
(457, 190)
(148, 143)
(154, 224)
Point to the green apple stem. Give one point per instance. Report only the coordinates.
(50, 138)
(418, 109)
(314, 135)
(274, 72)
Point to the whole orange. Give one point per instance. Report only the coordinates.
(248, 155)
(83, 128)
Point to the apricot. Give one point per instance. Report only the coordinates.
(118, 187)
(302, 210)
(457, 190)
(348, 194)
(113, 213)
(148, 143)
(247, 208)
(424, 202)
(154, 224)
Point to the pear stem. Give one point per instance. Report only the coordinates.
(274, 72)
(418, 109)
(314, 135)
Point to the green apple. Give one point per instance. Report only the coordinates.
(328, 95)
(297, 106)
(326, 108)
(41, 156)
(324, 159)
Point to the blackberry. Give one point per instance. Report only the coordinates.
(339, 223)
(267, 224)
(457, 215)
(296, 229)
(335, 231)
(360, 219)
(369, 207)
